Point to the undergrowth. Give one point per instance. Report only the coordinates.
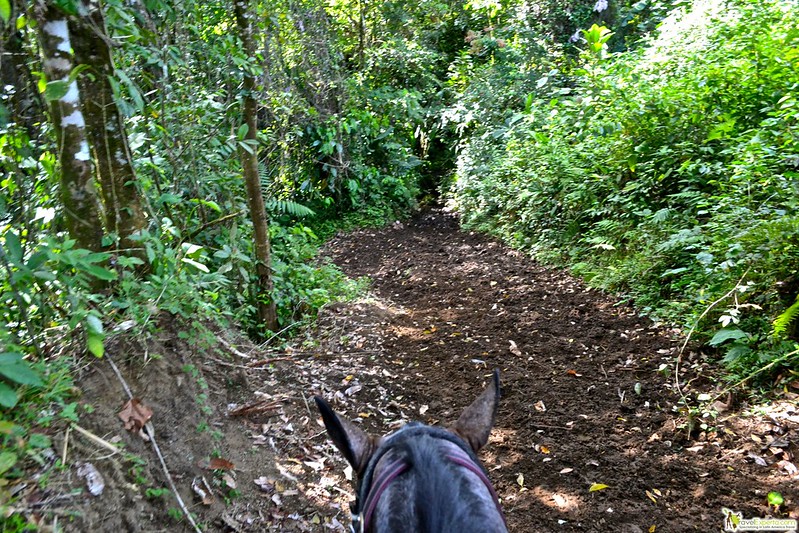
(668, 173)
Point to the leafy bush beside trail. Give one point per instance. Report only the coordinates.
(669, 173)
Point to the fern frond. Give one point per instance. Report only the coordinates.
(781, 323)
(289, 207)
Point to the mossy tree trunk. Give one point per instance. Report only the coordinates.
(248, 153)
(124, 215)
(78, 190)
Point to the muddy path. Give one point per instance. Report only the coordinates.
(583, 401)
(584, 404)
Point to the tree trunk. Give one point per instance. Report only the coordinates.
(78, 191)
(25, 104)
(124, 215)
(267, 314)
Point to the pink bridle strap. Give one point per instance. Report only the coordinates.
(464, 461)
(391, 472)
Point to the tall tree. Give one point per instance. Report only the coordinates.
(124, 215)
(267, 314)
(78, 190)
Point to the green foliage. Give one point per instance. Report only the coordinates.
(784, 320)
(667, 172)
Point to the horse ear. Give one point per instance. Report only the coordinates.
(475, 423)
(354, 443)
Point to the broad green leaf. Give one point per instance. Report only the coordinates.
(10, 357)
(242, 131)
(95, 344)
(21, 373)
(68, 6)
(56, 90)
(94, 324)
(195, 264)
(7, 461)
(246, 147)
(39, 440)
(14, 247)
(100, 272)
(735, 352)
(192, 250)
(726, 334)
(775, 499)
(96, 257)
(8, 396)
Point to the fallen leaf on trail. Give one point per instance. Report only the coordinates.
(559, 500)
(423, 409)
(657, 493)
(352, 390)
(265, 484)
(520, 480)
(652, 528)
(574, 373)
(597, 486)
(544, 450)
(94, 481)
(651, 496)
(216, 463)
(567, 470)
(789, 467)
(229, 481)
(316, 465)
(135, 414)
(514, 349)
(757, 459)
(539, 406)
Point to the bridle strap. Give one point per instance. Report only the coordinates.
(392, 471)
(468, 464)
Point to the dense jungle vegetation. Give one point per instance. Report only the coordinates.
(155, 154)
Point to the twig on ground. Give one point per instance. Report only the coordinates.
(92, 437)
(256, 407)
(307, 407)
(264, 362)
(276, 335)
(66, 446)
(232, 349)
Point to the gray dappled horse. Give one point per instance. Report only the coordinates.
(422, 479)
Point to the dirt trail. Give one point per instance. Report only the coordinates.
(583, 403)
(582, 399)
